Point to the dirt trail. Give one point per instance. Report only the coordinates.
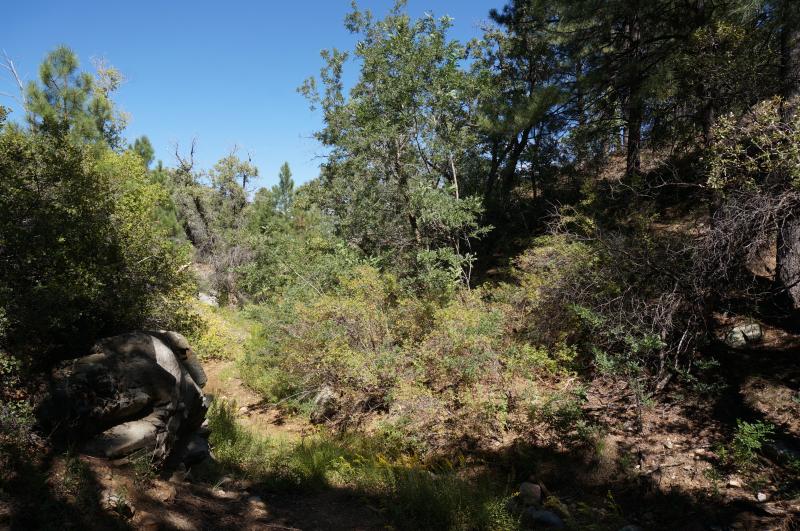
(175, 503)
(250, 507)
(225, 384)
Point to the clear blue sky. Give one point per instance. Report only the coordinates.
(223, 72)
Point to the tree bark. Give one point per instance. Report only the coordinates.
(510, 169)
(634, 112)
(788, 259)
(788, 240)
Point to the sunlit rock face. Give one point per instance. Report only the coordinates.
(135, 391)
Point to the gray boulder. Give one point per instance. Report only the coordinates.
(136, 391)
(530, 493)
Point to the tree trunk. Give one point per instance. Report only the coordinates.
(634, 112)
(788, 241)
(788, 259)
(510, 169)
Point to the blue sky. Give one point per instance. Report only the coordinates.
(223, 72)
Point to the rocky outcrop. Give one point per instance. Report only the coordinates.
(135, 391)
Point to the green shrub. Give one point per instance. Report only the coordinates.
(562, 413)
(748, 440)
(83, 254)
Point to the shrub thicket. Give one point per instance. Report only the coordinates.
(81, 251)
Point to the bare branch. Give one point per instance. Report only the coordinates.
(8, 64)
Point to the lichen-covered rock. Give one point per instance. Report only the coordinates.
(742, 335)
(136, 391)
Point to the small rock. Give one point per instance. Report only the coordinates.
(243, 410)
(225, 494)
(167, 494)
(530, 493)
(630, 527)
(669, 444)
(761, 497)
(196, 451)
(734, 483)
(255, 500)
(740, 336)
(538, 519)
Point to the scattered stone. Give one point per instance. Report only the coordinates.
(530, 493)
(243, 410)
(733, 482)
(761, 497)
(224, 494)
(669, 444)
(742, 335)
(256, 500)
(538, 519)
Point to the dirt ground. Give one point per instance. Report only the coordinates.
(176, 504)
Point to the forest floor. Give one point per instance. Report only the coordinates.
(656, 464)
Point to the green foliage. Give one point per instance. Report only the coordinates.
(294, 254)
(225, 333)
(759, 151)
(562, 412)
(83, 254)
(284, 190)
(414, 497)
(401, 144)
(68, 101)
(142, 147)
(748, 440)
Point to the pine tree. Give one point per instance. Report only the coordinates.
(144, 149)
(285, 189)
(68, 101)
